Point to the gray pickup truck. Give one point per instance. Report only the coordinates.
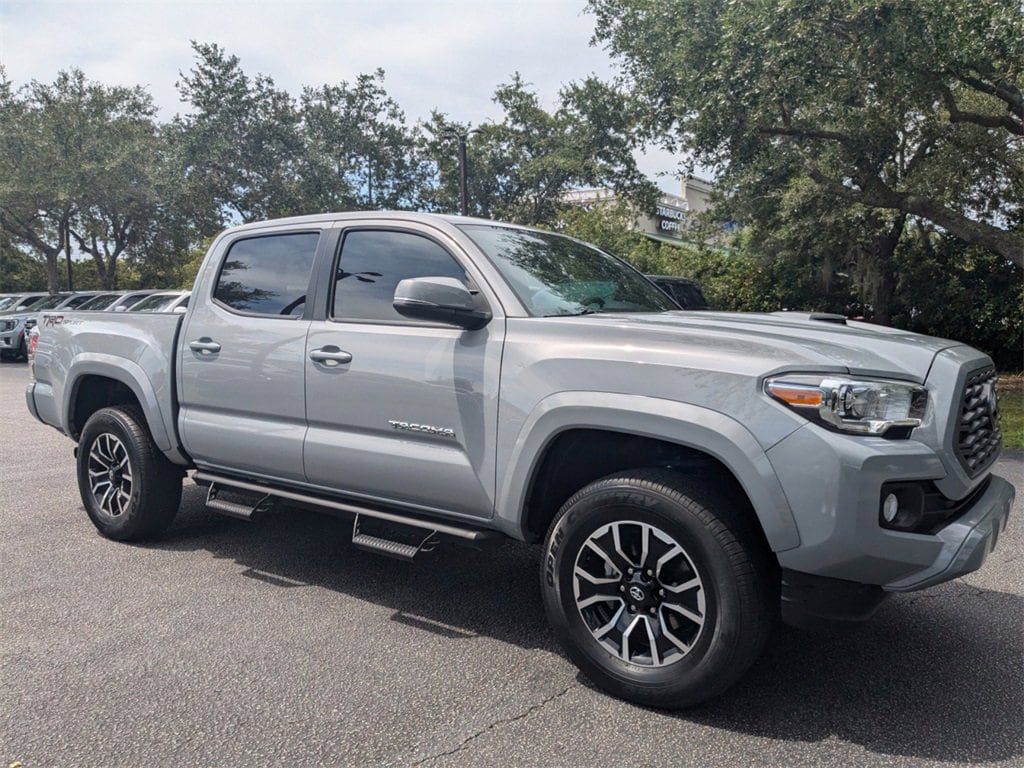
(692, 475)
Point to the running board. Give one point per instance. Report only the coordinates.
(268, 494)
(243, 509)
(389, 542)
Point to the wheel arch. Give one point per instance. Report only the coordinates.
(574, 438)
(96, 381)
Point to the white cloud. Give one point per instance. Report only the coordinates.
(448, 55)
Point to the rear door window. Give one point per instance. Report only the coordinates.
(267, 275)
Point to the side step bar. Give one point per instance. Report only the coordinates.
(392, 541)
(243, 509)
(429, 528)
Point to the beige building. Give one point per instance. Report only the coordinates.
(668, 221)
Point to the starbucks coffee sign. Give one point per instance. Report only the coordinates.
(670, 220)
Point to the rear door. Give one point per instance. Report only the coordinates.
(401, 411)
(241, 364)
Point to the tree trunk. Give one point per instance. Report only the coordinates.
(885, 271)
(52, 256)
(23, 229)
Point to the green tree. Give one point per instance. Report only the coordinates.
(240, 148)
(19, 271)
(522, 167)
(37, 165)
(358, 153)
(79, 168)
(963, 292)
(892, 109)
(611, 226)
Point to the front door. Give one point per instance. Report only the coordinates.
(400, 411)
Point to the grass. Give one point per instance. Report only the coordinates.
(1011, 409)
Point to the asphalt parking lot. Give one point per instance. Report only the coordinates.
(274, 642)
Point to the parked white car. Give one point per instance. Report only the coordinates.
(165, 301)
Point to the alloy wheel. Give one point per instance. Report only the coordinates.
(639, 593)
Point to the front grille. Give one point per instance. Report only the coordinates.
(978, 434)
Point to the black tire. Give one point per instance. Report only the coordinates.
(22, 353)
(691, 628)
(129, 488)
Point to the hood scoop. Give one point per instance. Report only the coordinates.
(821, 317)
(827, 317)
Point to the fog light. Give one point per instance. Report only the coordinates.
(890, 507)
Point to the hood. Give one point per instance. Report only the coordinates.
(790, 340)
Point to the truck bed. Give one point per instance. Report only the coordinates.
(134, 348)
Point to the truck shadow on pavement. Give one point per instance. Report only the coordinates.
(935, 675)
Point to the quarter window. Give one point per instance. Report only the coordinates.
(268, 275)
(372, 264)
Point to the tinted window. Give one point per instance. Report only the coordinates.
(158, 302)
(686, 293)
(100, 302)
(372, 264)
(50, 303)
(268, 275)
(133, 299)
(78, 301)
(31, 301)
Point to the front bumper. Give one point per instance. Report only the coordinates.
(833, 483)
(966, 541)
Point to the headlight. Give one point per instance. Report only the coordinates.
(860, 406)
(8, 325)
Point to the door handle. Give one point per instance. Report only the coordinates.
(204, 346)
(330, 356)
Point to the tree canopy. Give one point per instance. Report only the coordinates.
(907, 107)
(523, 166)
(78, 164)
(871, 150)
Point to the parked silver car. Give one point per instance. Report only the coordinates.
(15, 325)
(165, 301)
(19, 301)
(116, 301)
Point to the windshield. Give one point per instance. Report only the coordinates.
(102, 301)
(554, 275)
(8, 302)
(29, 301)
(76, 301)
(50, 302)
(158, 302)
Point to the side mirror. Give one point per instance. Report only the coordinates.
(440, 300)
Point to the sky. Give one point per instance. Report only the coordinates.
(447, 55)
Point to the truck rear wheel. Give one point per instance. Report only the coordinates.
(129, 488)
(657, 588)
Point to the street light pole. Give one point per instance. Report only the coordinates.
(463, 192)
(461, 137)
(67, 254)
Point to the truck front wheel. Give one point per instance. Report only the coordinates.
(129, 488)
(657, 587)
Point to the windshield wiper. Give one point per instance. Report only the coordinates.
(575, 314)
